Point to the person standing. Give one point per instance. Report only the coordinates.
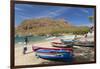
(75, 37)
(25, 46)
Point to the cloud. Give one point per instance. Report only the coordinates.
(77, 15)
(87, 24)
(20, 13)
(25, 17)
(85, 11)
(52, 13)
(57, 12)
(18, 9)
(60, 11)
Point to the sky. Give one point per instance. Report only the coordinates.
(73, 15)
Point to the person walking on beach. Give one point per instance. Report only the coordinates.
(75, 37)
(85, 38)
(25, 46)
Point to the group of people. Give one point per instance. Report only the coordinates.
(85, 39)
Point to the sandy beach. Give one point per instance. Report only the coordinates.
(31, 59)
(46, 30)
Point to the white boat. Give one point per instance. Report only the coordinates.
(50, 38)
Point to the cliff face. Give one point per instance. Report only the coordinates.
(43, 26)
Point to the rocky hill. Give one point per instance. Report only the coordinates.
(44, 26)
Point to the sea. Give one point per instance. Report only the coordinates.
(30, 39)
(20, 39)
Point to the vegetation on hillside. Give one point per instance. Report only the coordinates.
(48, 26)
(91, 18)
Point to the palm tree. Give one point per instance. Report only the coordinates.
(91, 18)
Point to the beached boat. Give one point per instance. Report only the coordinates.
(35, 48)
(50, 38)
(67, 42)
(85, 44)
(54, 53)
(67, 37)
(60, 44)
(86, 41)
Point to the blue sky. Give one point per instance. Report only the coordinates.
(74, 15)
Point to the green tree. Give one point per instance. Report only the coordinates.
(91, 18)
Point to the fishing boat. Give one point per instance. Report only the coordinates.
(50, 38)
(67, 42)
(85, 44)
(60, 45)
(54, 53)
(86, 41)
(35, 48)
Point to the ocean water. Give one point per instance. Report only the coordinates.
(40, 38)
(30, 39)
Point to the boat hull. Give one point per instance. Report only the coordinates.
(68, 41)
(84, 44)
(35, 48)
(55, 54)
(60, 45)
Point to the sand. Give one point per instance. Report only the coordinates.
(81, 54)
(29, 58)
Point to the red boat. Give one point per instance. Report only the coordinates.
(65, 54)
(35, 48)
(57, 43)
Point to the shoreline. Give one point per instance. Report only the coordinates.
(20, 58)
(47, 39)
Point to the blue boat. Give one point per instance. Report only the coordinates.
(67, 42)
(55, 54)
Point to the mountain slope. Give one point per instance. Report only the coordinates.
(44, 26)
